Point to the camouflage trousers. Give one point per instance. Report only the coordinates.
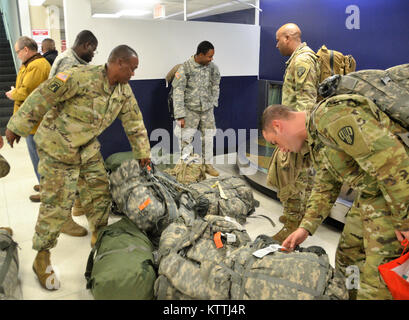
(204, 123)
(367, 241)
(59, 183)
(291, 175)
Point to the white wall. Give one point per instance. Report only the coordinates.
(162, 44)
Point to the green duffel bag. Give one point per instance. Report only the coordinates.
(116, 159)
(120, 266)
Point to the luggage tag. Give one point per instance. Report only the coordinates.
(230, 237)
(236, 224)
(222, 194)
(265, 251)
(217, 238)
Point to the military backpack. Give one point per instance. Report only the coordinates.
(121, 264)
(334, 62)
(260, 270)
(191, 254)
(140, 195)
(9, 265)
(4, 167)
(388, 89)
(169, 78)
(227, 196)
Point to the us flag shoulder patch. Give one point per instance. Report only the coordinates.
(62, 76)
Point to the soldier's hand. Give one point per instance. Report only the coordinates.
(181, 122)
(1, 142)
(296, 238)
(11, 137)
(402, 235)
(144, 162)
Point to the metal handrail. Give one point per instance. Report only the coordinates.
(6, 28)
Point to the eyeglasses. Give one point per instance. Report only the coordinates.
(18, 51)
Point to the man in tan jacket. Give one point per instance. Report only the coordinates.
(33, 71)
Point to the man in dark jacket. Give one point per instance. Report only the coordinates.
(48, 50)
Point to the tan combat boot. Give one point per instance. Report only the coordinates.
(73, 229)
(211, 170)
(44, 271)
(77, 209)
(288, 228)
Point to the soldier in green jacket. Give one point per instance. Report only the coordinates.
(350, 140)
(195, 95)
(300, 93)
(76, 106)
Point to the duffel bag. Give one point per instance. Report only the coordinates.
(120, 266)
(191, 255)
(261, 271)
(9, 266)
(227, 195)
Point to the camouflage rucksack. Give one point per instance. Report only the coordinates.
(334, 62)
(4, 167)
(388, 89)
(169, 78)
(143, 198)
(188, 170)
(9, 265)
(261, 272)
(191, 255)
(227, 196)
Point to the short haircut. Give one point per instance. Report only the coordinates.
(123, 52)
(48, 44)
(275, 112)
(204, 47)
(27, 42)
(85, 36)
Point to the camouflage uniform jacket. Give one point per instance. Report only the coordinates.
(78, 105)
(65, 60)
(352, 141)
(195, 87)
(301, 79)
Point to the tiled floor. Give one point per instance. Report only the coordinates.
(70, 255)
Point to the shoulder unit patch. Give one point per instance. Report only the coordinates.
(346, 134)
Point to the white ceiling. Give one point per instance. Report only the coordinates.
(173, 8)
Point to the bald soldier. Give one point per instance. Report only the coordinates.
(289, 172)
(350, 140)
(76, 106)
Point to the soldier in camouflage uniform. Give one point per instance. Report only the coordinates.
(351, 140)
(195, 95)
(77, 105)
(300, 93)
(80, 54)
